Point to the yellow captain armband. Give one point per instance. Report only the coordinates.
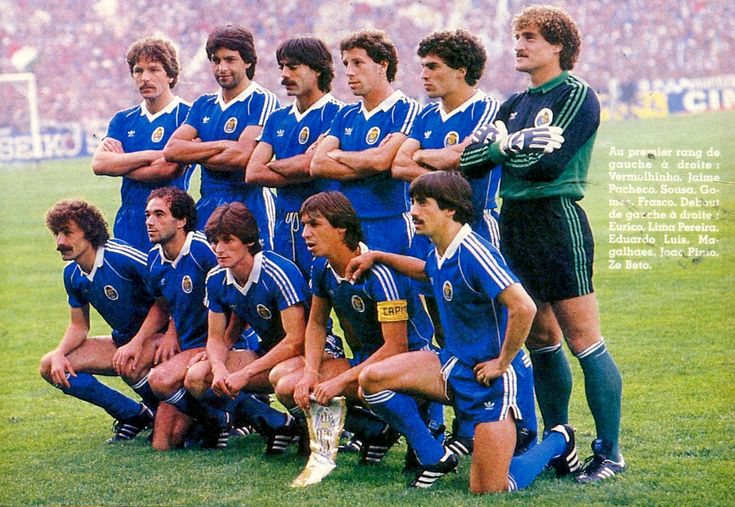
(393, 311)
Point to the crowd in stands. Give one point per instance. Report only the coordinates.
(77, 47)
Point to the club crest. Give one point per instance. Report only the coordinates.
(157, 135)
(447, 290)
(372, 135)
(230, 125)
(358, 304)
(264, 312)
(186, 284)
(543, 118)
(451, 138)
(111, 293)
(304, 135)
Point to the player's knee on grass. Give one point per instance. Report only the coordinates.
(44, 368)
(198, 379)
(169, 428)
(494, 444)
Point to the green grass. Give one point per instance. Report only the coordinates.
(669, 328)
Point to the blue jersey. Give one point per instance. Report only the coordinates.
(275, 284)
(436, 129)
(181, 282)
(466, 282)
(138, 130)
(380, 295)
(116, 288)
(377, 196)
(290, 133)
(216, 121)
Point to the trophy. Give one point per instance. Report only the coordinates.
(325, 425)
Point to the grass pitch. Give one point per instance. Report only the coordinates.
(669, 328)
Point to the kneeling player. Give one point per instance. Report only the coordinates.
(380, 316)
(482, 370)
(110, 275)
(266, 291)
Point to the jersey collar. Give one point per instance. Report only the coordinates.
(454, 245)
(316, 105)
(550, 84)
(247, 92)
(383, 106)
(363, 249)
(99, 260)
(252, 279)
(172, 104)
(478, 96)
(185, 249)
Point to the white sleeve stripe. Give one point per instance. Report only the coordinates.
(126, 251)
(485, 258)
(410, 117)
(284, 283)
(213, 272)
(385, 277)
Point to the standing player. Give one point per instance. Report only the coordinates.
(178, 265)
(133, 146)
(452, 64)
(545, 234)
(286, 146)
(221, 128)
(379, 313)
(264, 290)
(364, 138)
(481, 369)
(109, 275)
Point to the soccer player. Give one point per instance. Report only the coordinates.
(364, 138)
(220, 131)
(482, 369)
(379, 313)
(178, 266)
(109, 275)
(286, 146)
(133, 146)
(452, 63)
(545, 234)
(266, 291)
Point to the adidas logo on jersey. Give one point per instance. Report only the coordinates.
(131, 133)
(280, 132)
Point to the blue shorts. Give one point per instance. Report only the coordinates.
(474, 403)
(260, 204)
(287, 241)
(389, 234)
(130, 226)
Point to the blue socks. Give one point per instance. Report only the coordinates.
(526, 467)
(85, 387)
(402, 412)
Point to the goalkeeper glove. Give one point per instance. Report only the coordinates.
(489, 133)
(545, 139)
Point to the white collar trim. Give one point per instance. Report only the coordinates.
(172, 104)
(454, 245)
(476, 97)
(383, 106)
(363, 249)
(243, 95)
(185, 249)
(252, 279)
(316, 105)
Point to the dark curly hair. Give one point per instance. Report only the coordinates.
(180, 203)
(556, 26)
(450, 190)
(156, 50)
(457, 49)
(235, 38)
(85, 215)
(311, 52)
(378, 47)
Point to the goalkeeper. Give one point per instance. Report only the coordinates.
(543, 138)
